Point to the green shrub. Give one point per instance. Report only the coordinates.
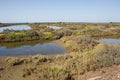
(57, 69)
(56, 72)
(15, 36)
(51, 72)
(78, 33)
(47, 35)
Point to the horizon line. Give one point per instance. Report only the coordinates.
(63, 22)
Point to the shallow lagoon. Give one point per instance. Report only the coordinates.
(110, 40)
(30, 48)
(15, 27)
(55, 27)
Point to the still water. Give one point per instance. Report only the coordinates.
(109, 40)
(55, 27)
(15, 27)
(30, 48)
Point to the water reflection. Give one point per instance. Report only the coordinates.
(31, 48)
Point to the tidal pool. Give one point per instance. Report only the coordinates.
(30, 48)
(109, 40)
(15, 27)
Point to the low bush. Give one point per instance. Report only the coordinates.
(15, 36)
(79, 43)
(107, 54)
(78, 32)
(104, 55)
(2, 37)
(47, 35)
(63, 32)
(32, 34)
(12, 61)
(56, 72)
(51, 72)
(67, 32)
(39, 59)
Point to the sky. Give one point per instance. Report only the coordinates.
(12, 11)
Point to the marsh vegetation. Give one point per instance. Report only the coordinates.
(85, 53)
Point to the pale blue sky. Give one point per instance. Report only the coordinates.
(59, 10)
